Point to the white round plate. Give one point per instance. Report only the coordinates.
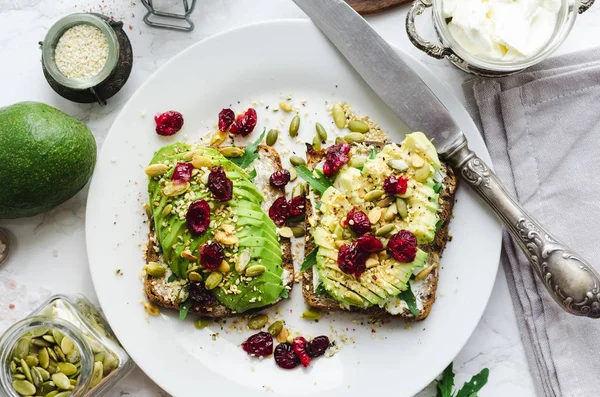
(256, 66)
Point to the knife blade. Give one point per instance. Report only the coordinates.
(389, 76)
(571, 281)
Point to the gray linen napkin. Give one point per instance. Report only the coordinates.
(542, 128)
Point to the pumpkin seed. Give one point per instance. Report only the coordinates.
(48, 387)
(386, 202)
(358, 161)
(416, 160)
(353, 297)
(339, 116)
(52, 365)
(354, 137)
(372, 261)
(43, 358)
(224, 267)
(297, 160)
(231, 151)
(213, 280)
(275, 328)
(203, 323)
(172, 189)
(63, 394)
(73, 382)
(295, 126)
(421, 174)
(398, 164)
(37, 332)
(97, 374)
(384, 230)
(53, 393)
(19, 376)
(13, 367)
(49, 338)
(26, 370)
(255, 270)
(374, 195)
(194, 277)
(44, 374)
(316, 143)
(36, 377)
(201, 161)
(402, 208)
(58, 335)
(283, 335)
(226, 238)
(155, 170)
(32, 361)
(339, 140)
(167, 210)
(59, 353)
(67, 345)
(23, 387)
(243, 260)
(286, 107)
(298, 231)
(99, 357)
(272, 136)
(61, 381)
(110, 362)
(155, 269)
(321, 132)
(67, 368)
(39, 343)
(358, 126)
(293, 174)
(151, 309)
(390, 213)
(286, 232)
(374, 215)
(299, 190)
(190, 155)
(311, 314)
(22, 347)
(424, 273)
(218, 138)
(258, 321)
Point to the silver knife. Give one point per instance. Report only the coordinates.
(571, 281)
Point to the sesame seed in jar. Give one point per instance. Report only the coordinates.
(81, 52)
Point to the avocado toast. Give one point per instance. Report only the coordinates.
(389, 283)
(184, 269)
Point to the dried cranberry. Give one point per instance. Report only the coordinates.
(279, 211)
(260, 345)
(358, 221)
(317, 346)
(244, 123)
(335, 158)
(226, 117)
(279, 178)
(220, 186)
(211, 256)
(369, 243)
(285, 356)
(182, 173)
(395, 185)
(299, 345)
(403, 246)
(198, 217)
(199, 295)
(351, 260)
(297, 205)
(168, 123)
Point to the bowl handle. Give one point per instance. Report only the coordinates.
(429, 48)
(584, 5)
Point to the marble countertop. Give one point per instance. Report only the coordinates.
(48, 255)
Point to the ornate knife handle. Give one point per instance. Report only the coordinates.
(571, 281)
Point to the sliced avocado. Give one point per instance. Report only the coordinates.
(258, 232)
(248, 186)
(243, 194)
(347, 180)
(337, 290)
(334, 273)
(264, 294)
(256, 241)
(266, 255)
(322, 238)
(328, 253)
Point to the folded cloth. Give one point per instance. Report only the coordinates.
(542, 128)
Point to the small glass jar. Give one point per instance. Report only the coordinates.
(456, 54)
(76, 318)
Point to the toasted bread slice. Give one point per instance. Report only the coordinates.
(165, 294)
(425, 289)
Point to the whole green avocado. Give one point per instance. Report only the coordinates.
(46, 156)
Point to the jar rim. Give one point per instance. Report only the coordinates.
(19, 329)
(55, 33)
(564, 25)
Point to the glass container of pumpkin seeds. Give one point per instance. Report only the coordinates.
(64, 348)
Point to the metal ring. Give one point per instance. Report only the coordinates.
(431, 49)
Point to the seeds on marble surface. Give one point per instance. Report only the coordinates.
(339, 116)
(294, 126)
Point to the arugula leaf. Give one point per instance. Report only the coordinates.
(437, 187)
(320, 183)
(471, 387)
(252, 174)
(184, 309)
(285, 293)
(408, 297)
(249, 153)
(310, 260)
(439, 224)
(445, 385)
(320, 289)
(172, 278)
(373, 152)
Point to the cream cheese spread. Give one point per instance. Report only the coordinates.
(505, 30)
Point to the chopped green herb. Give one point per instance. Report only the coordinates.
(184, 309)
(469, 389)
(310, 260)
(285, 293)
(172, 278)
(439, 224)
(373, 152)
(320, 183)
(320, 289)
(252, 174)
(249, 153)
(408, 297)
(437, 187)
